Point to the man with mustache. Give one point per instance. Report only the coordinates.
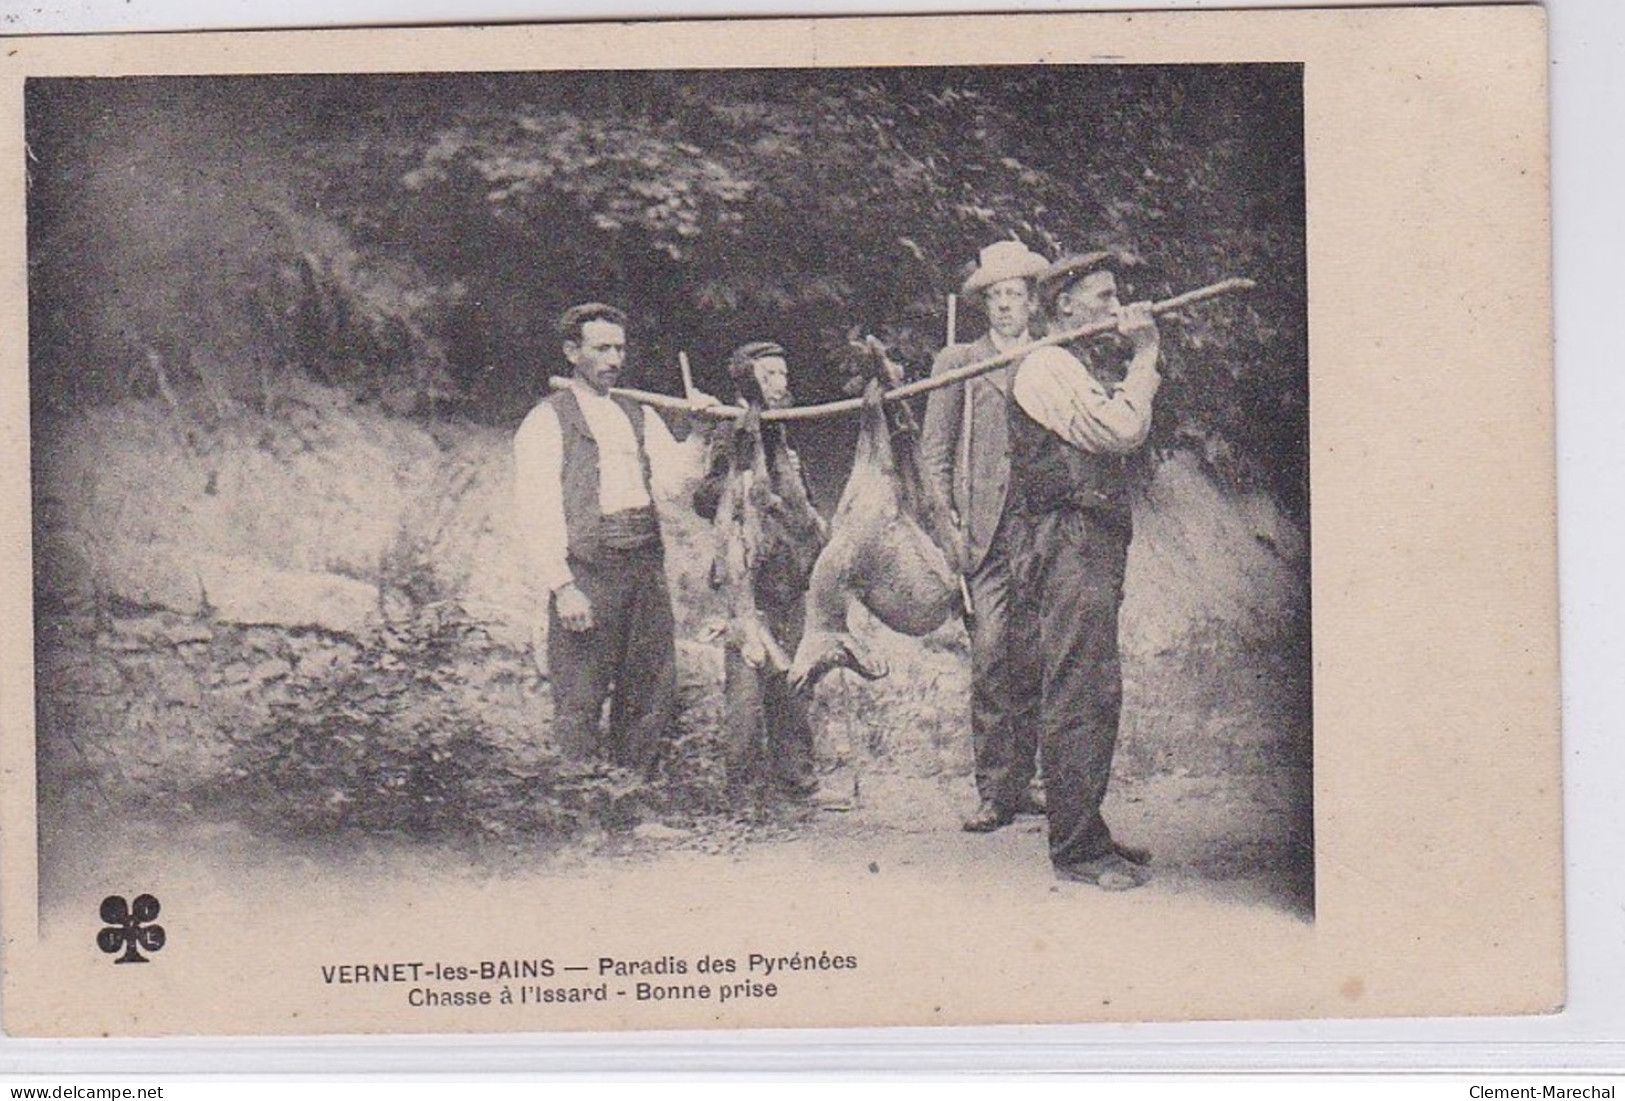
(1078, 412)
(768, 732)
(587, 521)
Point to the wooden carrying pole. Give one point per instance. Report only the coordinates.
(688, 375)
(926, 385)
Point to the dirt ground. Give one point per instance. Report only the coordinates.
(915, 899)
(1229, 838)
(1224, 867)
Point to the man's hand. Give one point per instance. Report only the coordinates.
(682, 423)
(1137, 323)
(699, 401)
(575, 610)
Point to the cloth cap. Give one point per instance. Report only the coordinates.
(1070, 268)
(741, 365)
(1004, 260)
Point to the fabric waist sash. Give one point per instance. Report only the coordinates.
(630, 529)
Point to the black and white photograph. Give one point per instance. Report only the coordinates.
(621, 514)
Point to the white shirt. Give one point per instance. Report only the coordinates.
(1059, 393)
(538, 481)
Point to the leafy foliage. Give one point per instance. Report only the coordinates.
(178, 249)
(411, 238)
(396, 741)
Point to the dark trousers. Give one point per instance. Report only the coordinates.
(1005, 672)
(628, 657)
(1073, 561)
(770, 736)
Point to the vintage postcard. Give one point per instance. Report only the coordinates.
(778, 523)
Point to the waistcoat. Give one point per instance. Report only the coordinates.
(1048, 474)
(583, 515)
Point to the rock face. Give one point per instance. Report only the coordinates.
(1208, 560)
(242, 592)
(307, 519)
(323, 515)
(326, 518)
(205, 593)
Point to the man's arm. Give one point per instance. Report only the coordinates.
(939, 436)
(1059, 392)
(538, 491)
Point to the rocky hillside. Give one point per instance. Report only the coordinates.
(321, 616)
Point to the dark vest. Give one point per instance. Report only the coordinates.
(585, 530)
(1048, 474)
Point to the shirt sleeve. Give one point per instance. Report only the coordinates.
(672, 465)
(538, 490)
(1059, 393)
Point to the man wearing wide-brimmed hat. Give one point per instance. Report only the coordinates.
(964, 450)
(1077, 411)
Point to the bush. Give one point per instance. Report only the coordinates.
(395, 741)
(406, 739)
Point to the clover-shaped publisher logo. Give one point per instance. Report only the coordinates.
(129, 926)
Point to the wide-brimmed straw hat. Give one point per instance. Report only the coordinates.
(1004, 260)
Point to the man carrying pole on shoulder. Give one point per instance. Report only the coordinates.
(1077, 412)
(587, 522)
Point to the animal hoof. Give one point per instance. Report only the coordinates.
(803, 680)
(871, 671)
(819, 655)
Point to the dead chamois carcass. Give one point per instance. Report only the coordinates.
(892, 545)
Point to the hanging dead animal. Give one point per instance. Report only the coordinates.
(768, 537)
(892, 545)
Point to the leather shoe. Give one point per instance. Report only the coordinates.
(799, 787)
(1031, 802)
(1132, 853)
(988, 817)
(1109, 872)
